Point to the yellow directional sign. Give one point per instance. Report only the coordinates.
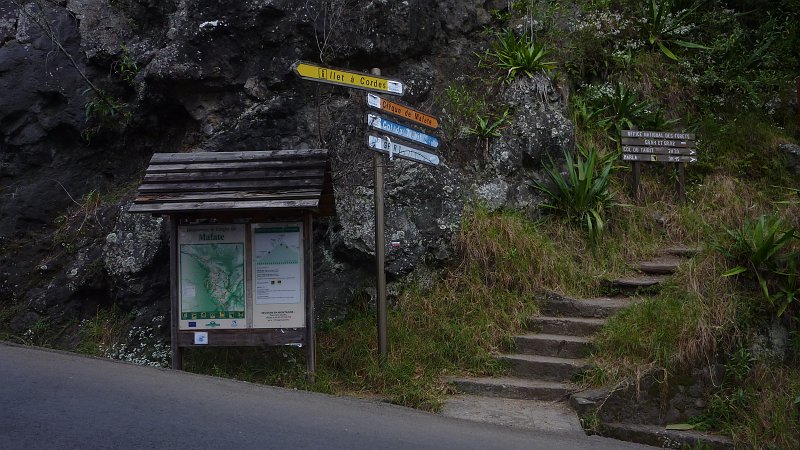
(347, 78)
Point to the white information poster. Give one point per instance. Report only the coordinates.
(278, 281)
(211, 272)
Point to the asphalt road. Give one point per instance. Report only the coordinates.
(58, 400)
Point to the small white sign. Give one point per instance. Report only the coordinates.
(395, 86)
(373, 101)
(201, 338)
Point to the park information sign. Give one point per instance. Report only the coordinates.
(658, 146)
(212, 277)
(278, 275)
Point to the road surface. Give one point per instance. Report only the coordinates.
(58, 400)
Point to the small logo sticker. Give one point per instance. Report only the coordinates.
(212, 324)
(192, 324)
(234, 323)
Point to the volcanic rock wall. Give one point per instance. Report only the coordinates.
(92, 88)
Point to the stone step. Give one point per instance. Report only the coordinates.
(570, 326)
(660, 266)
(633, 284)
(590, 307)
(546, 416)
(553, 345)
(658, 435)
(510, 387)
(548, 368)
(683, 251)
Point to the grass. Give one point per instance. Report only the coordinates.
(106, 330)
(451, 322)
(762, 408)
(441, 325)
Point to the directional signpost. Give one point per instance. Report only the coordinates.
(386, 146)
(659, 146)
(346, 78)
(657, 142)
(381, 145)
(402, 111)
(658, 158)
(657, 135)
(659, 150)
(401, 131)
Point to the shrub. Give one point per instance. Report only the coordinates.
(763, 249)
(517, 55)
(486, 127)
(583, 194)
(663, 24)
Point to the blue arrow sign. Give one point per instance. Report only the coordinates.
(402, 131)
(386, 146)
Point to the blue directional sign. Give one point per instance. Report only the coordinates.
(401, 131)
(386, 146)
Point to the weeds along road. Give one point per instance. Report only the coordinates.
(51, 399)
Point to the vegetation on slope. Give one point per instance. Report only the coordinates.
(723, 70)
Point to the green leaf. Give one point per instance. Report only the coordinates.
(689, 44)
(667, 51)
(735, 271)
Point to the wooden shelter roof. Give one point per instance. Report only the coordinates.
(277, 180)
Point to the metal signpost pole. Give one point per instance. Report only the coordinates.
(380, 252)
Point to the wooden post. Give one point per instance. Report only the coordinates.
(380, 252)
(177, 351)
(682, 183)
(637, 175)
(311, 347)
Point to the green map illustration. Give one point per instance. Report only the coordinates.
(212, 281)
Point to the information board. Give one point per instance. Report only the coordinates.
(211, 271)
(277, 275)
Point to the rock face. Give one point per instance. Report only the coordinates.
(651, 399)
(197, 75)
(131, 248)
(538, 133)
(792, 152)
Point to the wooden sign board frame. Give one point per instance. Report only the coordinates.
(246, 335)
(658, 146)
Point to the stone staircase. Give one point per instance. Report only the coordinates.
(551, 354)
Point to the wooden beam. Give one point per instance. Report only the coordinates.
(167, 208)
(178, 197)
(252, 165)
(308, 258)
(233, 185)
(264, 174)
(244, 337)
(177, 353)
(239, 156)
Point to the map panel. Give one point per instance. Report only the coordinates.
(212, 276)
